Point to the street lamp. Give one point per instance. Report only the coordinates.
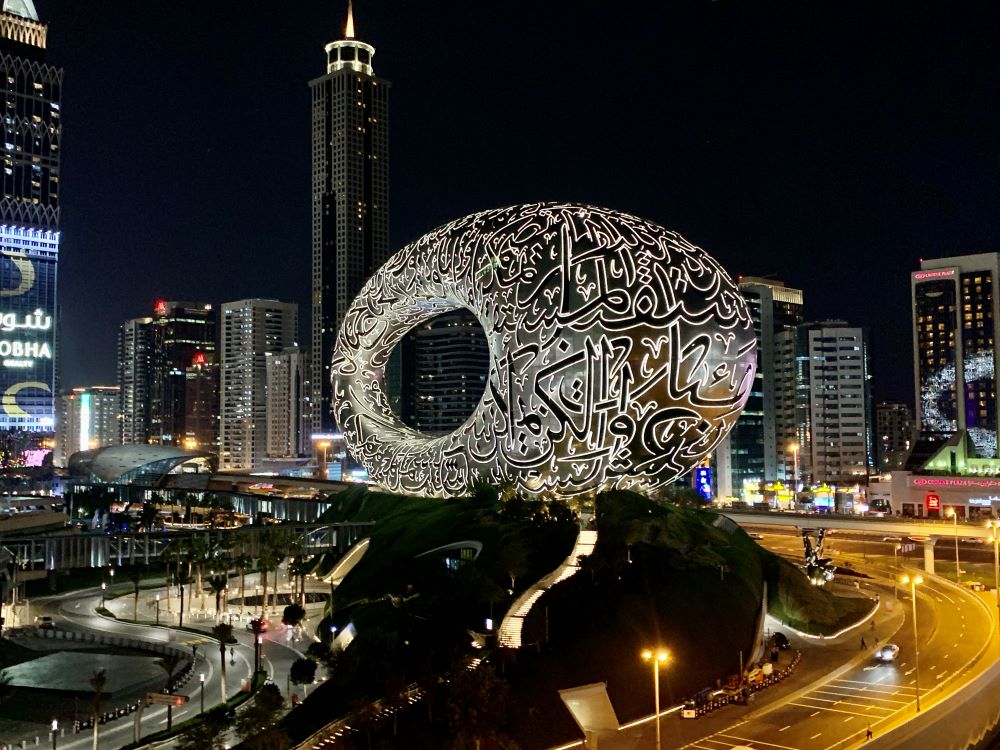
(895, 569)
(658, 657)
(324, 444)
(55, 732)
(157, 609)
(995, 525)
(794, 448)
(914, 582)
(201, 678)
(953, 515)
(104, 590)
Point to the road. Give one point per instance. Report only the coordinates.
(833, 710)
(75, 611)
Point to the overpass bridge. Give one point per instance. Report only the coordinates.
(97, 549)
(924, 530)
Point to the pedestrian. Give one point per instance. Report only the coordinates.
(868, 734)
(863, 644)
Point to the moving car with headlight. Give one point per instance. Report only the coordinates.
(888, 652)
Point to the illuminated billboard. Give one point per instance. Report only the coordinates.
(27, 328)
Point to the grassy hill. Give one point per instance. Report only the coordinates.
(686, 579)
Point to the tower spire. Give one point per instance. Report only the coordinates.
(349, 27)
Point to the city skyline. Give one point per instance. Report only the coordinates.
(787, 142)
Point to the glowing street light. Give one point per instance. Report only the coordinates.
(157, 609)
(914, 582)
(658, 657)
(104, 591)
(201, 678)
(953, 515)
(794, 448)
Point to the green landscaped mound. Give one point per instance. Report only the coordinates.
(683, 578)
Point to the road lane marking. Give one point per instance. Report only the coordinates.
(847, 713)
(849, 718)
(759, 742)
(785, 727)
(815, 713)
(908, 672)
(816, 735)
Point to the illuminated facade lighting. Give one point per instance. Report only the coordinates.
(620, 354)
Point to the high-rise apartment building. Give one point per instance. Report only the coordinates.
(201, 417)
(155, 357)
(88, 419)
(29, 221)
(251, 329)
(135, 375)
(350, 199)
(181, 331)
(894, 435)
(445, 364)
(955, 312)
(832, 414)
(286, 379)
(753, 450)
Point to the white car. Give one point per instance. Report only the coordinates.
(888, 652)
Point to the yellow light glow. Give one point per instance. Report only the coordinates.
(661, 655)
(647, 654)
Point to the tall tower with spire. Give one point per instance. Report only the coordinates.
(350, 197)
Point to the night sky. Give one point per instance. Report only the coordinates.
(830, 145)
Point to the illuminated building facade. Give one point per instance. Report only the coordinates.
(201, 402)
(287, 435)
(753, 450)
(135, 375)
(251, 330)
(833, 407)
(181, 331)
(446, 363)
(88, 419)
(29, 222)
(955, 351)
(350, 198)
(894, 432)
(592, 381)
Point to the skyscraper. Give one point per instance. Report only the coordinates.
(181, 331)
(894, 432)
(29, 221)
(88, 418)
(753, 450)
(832, 413)
(251, 329)
(286, 377)
(445, 364)
(135, 375)
(955, 310)
(350, 197)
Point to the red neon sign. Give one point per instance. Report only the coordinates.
(942, 274)
(160, 308)
(199, 359)
(932, 501)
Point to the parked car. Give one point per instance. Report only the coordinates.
(755, 535)
(973, 540)
(264, 624)
(780, 641)
(888, 652)
(45, 622)
(977, 586)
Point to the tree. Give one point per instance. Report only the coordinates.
(218, 583)
(182, 581)
(302, 672)
(169, 663)
(97, 682)
(293, 615)
(267, 562)
(209, 733)
(148, 516)
(300, 567)
(200, 552)
(223, 633)
(255, 726)
(478, 702)
(135, 576)
(241, 562)
(513, 559)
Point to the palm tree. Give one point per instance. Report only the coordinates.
(267, 562)
(97, 681)
(182, 581)
(300, 567)
(223, 632)
(135, 576)
(219, 583)
(169, 663)
(200, 553)
(241, 562)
